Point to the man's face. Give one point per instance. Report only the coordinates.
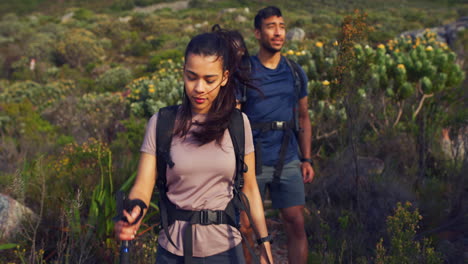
(271, 34)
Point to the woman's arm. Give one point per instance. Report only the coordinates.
(142, 189)
(250, 189)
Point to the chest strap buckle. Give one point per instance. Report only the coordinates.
(210, 217)
(278, 125)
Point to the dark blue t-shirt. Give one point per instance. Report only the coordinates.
(277, 104)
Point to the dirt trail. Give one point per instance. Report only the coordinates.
(278, 248)
(177, 5)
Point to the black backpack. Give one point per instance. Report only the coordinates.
(168, 211)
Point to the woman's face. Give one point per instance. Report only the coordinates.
(203, 78)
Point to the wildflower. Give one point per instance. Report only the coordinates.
(290, 52)
(151, 90)
(401, 66)
(335, 43)
(381, 46)
(326, 83)
(429, 48)
(303, 52)
(397, 50)
(318, 44)
(298, 53)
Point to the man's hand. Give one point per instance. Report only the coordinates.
(307, 172)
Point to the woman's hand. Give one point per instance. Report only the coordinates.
(127, 231)
(266, 255)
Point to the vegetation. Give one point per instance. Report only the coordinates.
(79, 79)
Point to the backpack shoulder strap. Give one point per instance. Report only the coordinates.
(243, 89)
(237, 133)
(164, 130)
(297, 75)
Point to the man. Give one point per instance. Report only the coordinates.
(280, 167)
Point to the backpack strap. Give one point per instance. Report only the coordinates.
(298, 84)
(164, 131)
(246, 63)
(237, 133)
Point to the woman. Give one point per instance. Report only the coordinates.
(201, 149)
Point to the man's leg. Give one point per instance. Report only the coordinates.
(289, 198)
(293, 220)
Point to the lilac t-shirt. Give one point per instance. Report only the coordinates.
(202, 178)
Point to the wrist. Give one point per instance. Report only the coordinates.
(309, 160)
(265, 239)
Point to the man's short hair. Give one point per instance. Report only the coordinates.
(264, 14)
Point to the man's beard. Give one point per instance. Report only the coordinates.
(269, 48)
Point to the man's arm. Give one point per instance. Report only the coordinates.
(305, 139)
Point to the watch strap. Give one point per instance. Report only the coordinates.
(265, 239)
(307, 160)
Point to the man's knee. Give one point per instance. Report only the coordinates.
(293, 216)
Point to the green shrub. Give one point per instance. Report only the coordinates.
(149, 94)
(83, 14)
(138, 48)
(95, 115)
(39, 95)
(79, 167)
(41, 46)
(24, 134)
(402, 227)
(122, 5)
(114, 79)
(80, 47)
(147, 2)
(157, 60)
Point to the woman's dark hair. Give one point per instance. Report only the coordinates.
(242, 76)
(219, 44)
(264, 14)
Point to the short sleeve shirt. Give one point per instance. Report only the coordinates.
(276, 104)
(202, 178)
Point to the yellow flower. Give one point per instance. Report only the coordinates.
(298, 53)
(326, 83)
(401, 66)
(290, 52)
(151, 90)
(429, 48)
(318, 44)
(397, 50)
(335, 43)
(381, 46)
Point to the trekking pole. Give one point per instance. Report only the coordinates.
(125, 252)
(125, 245)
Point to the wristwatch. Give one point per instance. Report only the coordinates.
(265, 239)
(307, 160)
